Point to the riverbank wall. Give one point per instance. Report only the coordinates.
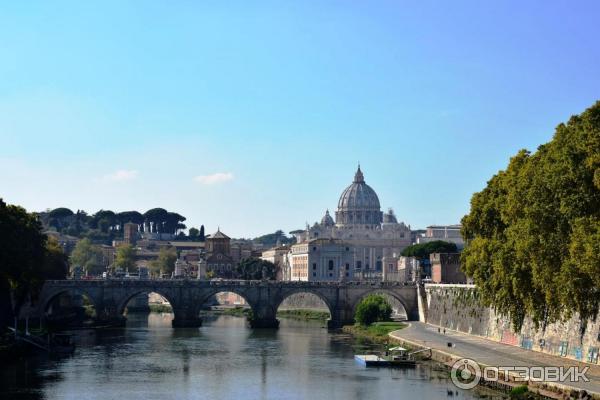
(457, 307)
(505, 384)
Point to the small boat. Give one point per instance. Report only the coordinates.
(393, 357)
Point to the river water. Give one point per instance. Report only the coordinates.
(221, 360)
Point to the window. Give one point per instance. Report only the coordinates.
(347, 274)
(314, 249)
(314, 266)
(358, 265)
(347, 248)
(330, 274)
(347, 266)
(378, 265)
(330, 265)
(366, 265)
(314, 274)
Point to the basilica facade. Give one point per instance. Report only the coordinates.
(356, 245)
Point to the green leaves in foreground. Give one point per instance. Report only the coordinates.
(533, 234)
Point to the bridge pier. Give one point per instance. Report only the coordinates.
(108, 315)
(333, 324)
(264, 315)
(113, 321)
(185, 318)
(260, 323)
(186, 322)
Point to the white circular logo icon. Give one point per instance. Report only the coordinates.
(465, 373)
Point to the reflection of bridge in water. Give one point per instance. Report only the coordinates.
(110, 297)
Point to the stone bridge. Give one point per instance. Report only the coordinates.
(110, 297)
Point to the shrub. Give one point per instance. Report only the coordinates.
(371, 309)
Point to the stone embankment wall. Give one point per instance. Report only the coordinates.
(457, 307)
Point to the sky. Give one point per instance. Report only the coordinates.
(253, 115)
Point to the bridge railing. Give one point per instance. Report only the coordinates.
(224, 282)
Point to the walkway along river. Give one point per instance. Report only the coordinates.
(221, 360)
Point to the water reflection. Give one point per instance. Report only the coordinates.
(221, 360)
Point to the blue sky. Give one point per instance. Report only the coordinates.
(253, 115)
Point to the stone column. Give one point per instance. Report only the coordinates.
(185, 317)
(264, 316)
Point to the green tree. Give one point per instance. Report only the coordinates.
(26, 259)
(55, 264)
(60, 218)
(156, 217)
(128, 216)
(255, 269)
(423, 250)
(165, 263)
(125, 257)
(373, 308)
(532, 234)
(193, 233)
(271, 239)
(88, 256)
(104, 220)
(173, 223)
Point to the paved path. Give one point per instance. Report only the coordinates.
(491, 353)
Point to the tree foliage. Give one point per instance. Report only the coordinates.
(106, 225)
(423, 250)
(533, 234)
(125, 257)
(271, 239)
(165, 263)
(255, 269)
(373, 308)
(27, 258)
(193, 233)
(55, 264)
(88, 256)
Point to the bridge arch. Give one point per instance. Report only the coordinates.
(207, 295)
(287, 293)
(122, 304)
(399, 298)
(48, 299)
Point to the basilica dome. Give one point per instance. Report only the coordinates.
(358, 204)
(327, 220)
(389, 217)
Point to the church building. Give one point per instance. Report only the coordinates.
(357, 245)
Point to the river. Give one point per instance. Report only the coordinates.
(221, 360)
